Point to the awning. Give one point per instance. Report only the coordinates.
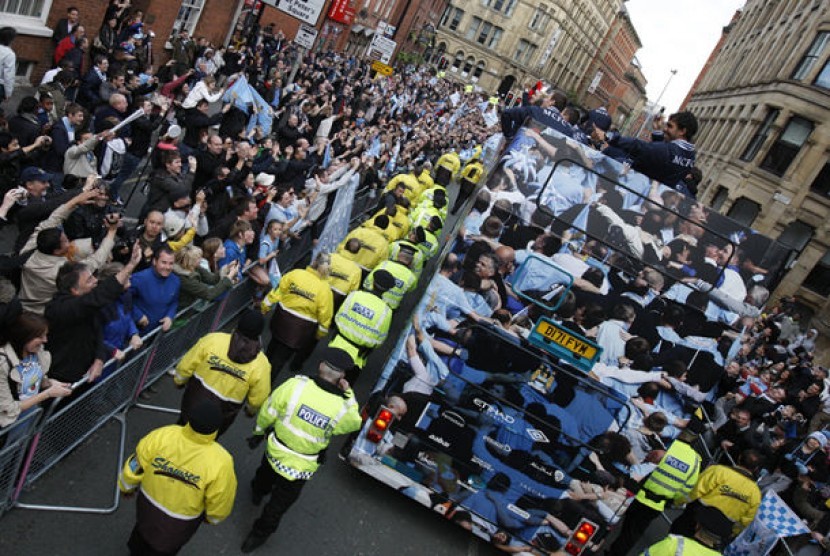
(357, 28)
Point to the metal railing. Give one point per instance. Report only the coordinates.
(43, 438)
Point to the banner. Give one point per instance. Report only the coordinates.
(337, 224)
(774, 520)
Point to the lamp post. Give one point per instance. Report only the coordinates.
(650, 116)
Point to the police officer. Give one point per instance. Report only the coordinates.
(363, 321)
(185, 476)
(730, 489)
(226, 368)
(300, 418)
(671, 481)
(416, 236)
(304, 310)
(429, 208)
(344, 278)
(399, 268)
(430, 246)
(712, 526)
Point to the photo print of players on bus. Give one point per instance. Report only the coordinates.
(581, 315)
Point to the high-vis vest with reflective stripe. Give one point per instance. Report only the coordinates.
(304, 294)
(344, 275)
(304, 417)
(430, 245)
(422, 215)
(675, 545)
(182, 473)
(673, 478)
(417, 255)
(364, 319)
(404, 281)
(373, 247)
(208, 363)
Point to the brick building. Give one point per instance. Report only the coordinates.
(35, 19)
(614, 79)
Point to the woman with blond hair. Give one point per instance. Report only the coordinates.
(196, 281)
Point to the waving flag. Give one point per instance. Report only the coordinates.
(774, 520)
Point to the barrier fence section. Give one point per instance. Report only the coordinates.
(31, 447)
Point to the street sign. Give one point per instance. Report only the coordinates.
(382, 68)
(381, 48)
(595, 83)
(305, 10)
(306, 35)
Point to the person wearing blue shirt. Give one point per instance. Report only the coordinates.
(155, 292)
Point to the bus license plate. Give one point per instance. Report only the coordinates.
(565, 340)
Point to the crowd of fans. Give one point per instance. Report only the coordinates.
(226, 194)
(223, 196)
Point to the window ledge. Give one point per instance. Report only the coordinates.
(27, 26)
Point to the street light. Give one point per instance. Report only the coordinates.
(650, 116)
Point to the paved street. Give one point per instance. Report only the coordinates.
(341, 512)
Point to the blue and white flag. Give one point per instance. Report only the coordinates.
(240, 94)
(337, 224)
(774, 520)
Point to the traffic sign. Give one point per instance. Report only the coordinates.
(382, 68)
(381, 48)
(306, 35)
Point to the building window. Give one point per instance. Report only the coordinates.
(495, 38)
(540, 19)
(796, 236)
(479, 70)
(189, 13)
(468, 66)
(452, 18)
(525, 51)
(486, 27)
(459, 59)
(744, 211)
(813, 54)
(504, 6)
(821, 184)
(819, 278)
(721, 195)
(786, 147)
(475, 25)
(760, 136)
(23, 8)
(823, 79)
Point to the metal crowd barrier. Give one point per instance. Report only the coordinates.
(43, 438)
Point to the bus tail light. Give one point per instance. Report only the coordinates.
(580, 538)
(380, 424)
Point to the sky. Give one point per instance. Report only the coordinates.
(677, 34)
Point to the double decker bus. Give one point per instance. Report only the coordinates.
(505, 402)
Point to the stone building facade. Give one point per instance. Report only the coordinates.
(506, 45)
(763, 102)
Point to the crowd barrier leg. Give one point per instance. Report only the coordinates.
(122, 422)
